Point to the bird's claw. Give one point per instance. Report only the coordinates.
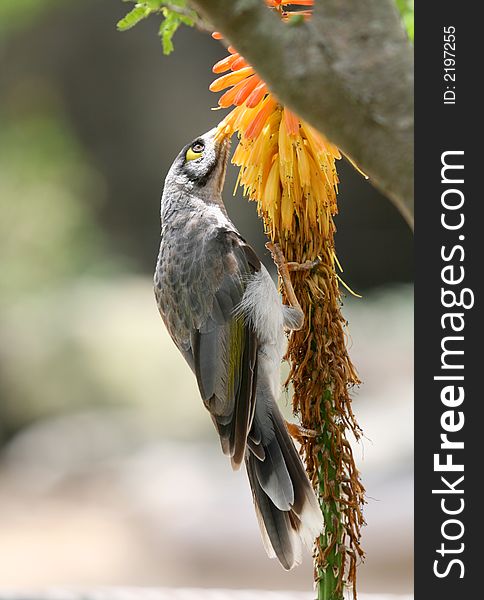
(298, 432)
(277, 255)
(281, 263)
(305, 266)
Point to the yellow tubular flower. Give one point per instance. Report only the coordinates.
(266, 129)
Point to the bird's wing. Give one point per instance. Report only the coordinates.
(222, 345)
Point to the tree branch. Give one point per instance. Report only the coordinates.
(348, 72)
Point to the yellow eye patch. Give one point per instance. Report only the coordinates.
(191, 155)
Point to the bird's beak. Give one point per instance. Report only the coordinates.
(222, 146)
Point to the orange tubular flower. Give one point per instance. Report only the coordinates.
(270, 133)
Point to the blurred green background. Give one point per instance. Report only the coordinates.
(109, 469)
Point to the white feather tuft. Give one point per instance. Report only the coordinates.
(312, 523)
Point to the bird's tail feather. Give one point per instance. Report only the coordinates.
(285, 503)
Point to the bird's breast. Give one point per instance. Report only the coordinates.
(188, 267)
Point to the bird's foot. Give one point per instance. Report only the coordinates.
(305, 266)
(298, 432)
(281, 262)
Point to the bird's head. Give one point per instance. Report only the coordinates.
(200, 167)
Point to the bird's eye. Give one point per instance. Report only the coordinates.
(195, 151)
(198, 147)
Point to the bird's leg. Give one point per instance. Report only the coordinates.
(298, 432)
(294, 317)
(282, 268)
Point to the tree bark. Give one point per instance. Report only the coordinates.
(348, 71)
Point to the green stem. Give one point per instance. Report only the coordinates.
(329, 576)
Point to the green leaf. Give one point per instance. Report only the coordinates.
(406, 8)
(188, 20)
(168, 28)
(155, 5)
(137, 14)
(175, 13)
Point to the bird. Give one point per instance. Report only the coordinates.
(225, 315)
